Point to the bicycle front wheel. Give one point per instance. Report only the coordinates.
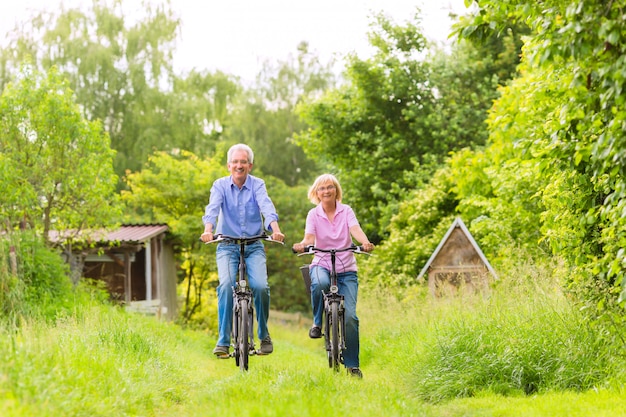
(243, 337)
(334, 338)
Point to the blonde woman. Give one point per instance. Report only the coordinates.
(332, 225)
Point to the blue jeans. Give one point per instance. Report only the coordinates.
(348, 284)
(227, 270)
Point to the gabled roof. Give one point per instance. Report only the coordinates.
(127, 233)
(458, 223)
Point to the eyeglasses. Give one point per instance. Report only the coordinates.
(328, 187)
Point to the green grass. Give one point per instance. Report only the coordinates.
(420, 357)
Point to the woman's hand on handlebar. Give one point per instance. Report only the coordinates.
(298, 247)
(368, 247)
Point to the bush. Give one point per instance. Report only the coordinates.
(34, 279)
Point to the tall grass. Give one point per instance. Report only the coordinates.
(524, 337)
(523, 350)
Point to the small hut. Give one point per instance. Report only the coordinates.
(136, 262)
(457, 264)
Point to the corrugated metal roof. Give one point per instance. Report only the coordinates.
(135, 233)
(127, 233)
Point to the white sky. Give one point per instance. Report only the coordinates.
(236, 36)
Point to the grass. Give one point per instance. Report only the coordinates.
(420, 357)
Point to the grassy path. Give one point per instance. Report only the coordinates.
(107, 363)
(296, 381)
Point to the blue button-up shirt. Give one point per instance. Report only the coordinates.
(239, 212)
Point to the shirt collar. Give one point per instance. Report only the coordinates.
(320, 211)
(246, 184)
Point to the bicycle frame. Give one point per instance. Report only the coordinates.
(242, 334)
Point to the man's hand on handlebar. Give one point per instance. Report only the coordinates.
(206, 237)
(278, 236)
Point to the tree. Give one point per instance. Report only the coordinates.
(575, 130)
(265, 118)
(121, 71)
(57, 166)
(401, 114)
(377, 125)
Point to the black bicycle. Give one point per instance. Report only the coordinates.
(242, 334)
(334, 319)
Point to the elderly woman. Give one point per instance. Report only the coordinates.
(332, 225)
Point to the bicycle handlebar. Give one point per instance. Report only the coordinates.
(240, 239)
(310, 250)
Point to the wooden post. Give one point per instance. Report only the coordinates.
(127, 283)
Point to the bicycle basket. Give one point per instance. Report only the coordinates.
(306, 277)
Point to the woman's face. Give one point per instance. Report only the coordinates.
(327, 192)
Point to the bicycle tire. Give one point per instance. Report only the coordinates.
(244, 337)
(327, 333)
(234, 335)
(334, 339)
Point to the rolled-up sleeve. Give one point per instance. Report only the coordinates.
(265, 204)
(212, 209)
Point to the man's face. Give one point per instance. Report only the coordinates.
(239, 166)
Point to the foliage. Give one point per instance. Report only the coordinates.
(120, 68)
(403, 112)
(264, 116)
(414, 233)
(57, 167)
(574, 60)
(34, 280)
(376, 126)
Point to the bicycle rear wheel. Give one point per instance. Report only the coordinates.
(243, 337)
(334, 338)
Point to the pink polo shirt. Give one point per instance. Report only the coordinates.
(332, 235)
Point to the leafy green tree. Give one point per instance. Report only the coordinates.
(574, 63)
(265, 117)
(403, 112)
(56, 167)
(375, 129)
(121, 71)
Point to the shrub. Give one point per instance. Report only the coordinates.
(34, 279)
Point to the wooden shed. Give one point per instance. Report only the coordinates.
(457, 264)
(136, 262)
